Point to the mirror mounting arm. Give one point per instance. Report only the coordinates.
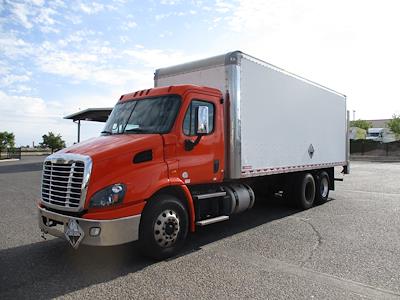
(189, 144)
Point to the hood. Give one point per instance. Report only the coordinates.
(105, 147)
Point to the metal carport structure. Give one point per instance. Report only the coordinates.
(90, 114)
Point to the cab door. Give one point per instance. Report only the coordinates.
(201, 157)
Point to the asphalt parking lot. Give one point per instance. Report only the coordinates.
(348, 248)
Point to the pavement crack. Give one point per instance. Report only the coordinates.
(317, 243)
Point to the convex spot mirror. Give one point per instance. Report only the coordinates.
(202, 120)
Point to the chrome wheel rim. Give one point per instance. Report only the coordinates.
(324, 187)
(166, 228)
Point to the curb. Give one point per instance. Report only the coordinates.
(8, 160)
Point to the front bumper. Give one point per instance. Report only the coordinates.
(112, 232)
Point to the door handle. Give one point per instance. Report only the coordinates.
(216, 165)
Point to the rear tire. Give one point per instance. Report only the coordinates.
(163, 227)
(304, 191)
(322, 187)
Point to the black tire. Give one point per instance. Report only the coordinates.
(322, 187)
(163, 227)
(304, 191)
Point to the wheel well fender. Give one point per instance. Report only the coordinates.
(183, 194)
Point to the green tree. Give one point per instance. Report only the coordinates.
(52, 141)
(361, 124)
(394, 125)
(7, 140)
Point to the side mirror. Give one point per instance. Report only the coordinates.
(202, 126)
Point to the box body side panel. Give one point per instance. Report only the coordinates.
(287, 122)
(211, 77)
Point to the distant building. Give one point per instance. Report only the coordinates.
(380, 123)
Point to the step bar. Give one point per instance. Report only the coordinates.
(212, 195)
(212, 220)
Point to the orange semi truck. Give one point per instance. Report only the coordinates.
(202, 145)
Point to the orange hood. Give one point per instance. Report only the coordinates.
(106, 147)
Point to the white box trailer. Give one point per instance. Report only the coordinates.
(278, 122)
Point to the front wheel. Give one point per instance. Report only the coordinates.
(164, 227)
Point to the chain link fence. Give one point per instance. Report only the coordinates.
(10, 153)
(373, 148)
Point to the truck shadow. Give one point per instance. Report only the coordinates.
(51, 268)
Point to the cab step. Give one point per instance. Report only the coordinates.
(212, 220)
(211, 195)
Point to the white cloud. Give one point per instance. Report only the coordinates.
(31, 117)
(334, 43)
(127, 25)
(31, 13)
(224, 6)
(170, 2)
(37, 2)
(91, 8)
(124, 39)
(162, 16)
(157, 58)
(44, 16)
(91, 66)
(21, 14)
(73, 18)
(13, 47)
(10, 79)
(20, 89)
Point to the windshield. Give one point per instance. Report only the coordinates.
(373, 134)
(152, 115)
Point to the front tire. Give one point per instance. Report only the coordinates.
(163, 227)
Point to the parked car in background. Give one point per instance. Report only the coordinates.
(383, 135)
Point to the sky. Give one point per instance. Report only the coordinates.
(58, 57)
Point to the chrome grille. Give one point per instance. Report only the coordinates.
(64, 182)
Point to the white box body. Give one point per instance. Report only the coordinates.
(277, 122)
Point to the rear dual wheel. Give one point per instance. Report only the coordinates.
(304, 190)
(322, 187)
(308, 189)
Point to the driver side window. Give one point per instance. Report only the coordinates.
(189, 123)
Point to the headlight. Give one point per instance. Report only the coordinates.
(110, 195)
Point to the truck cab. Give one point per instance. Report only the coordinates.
(152, 145)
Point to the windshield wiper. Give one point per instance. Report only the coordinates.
(106, 132)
